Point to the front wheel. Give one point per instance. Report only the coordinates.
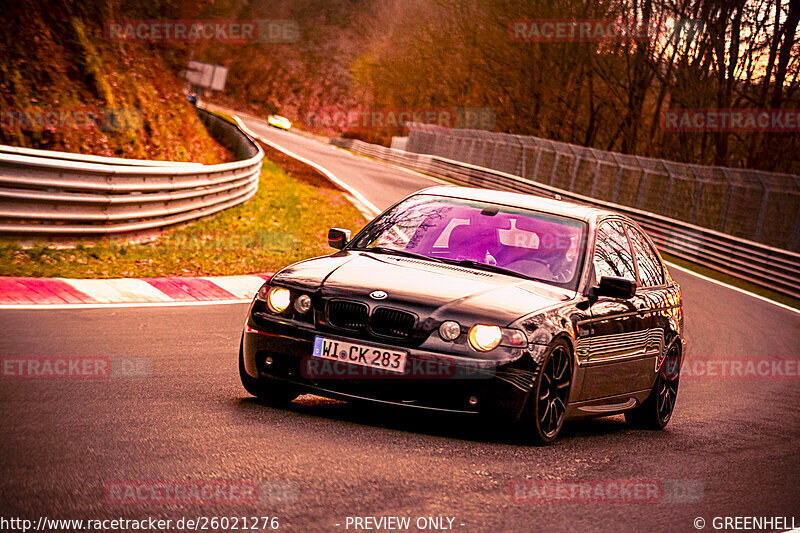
(547, 404)
(656, 411)
(267, 390)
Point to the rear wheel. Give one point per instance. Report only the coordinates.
(267, 390)
(656, 411)
(547, 404)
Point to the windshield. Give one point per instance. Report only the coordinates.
(527, 243)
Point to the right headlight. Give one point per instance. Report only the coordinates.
(485, 338)
(278, 299)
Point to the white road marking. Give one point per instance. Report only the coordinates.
(122, 290)
(398, 167)
(367, 208)
(731, 287)
(45, 307)
(239, 286)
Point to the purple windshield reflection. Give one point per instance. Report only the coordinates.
(542, 246)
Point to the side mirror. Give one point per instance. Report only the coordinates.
(614, 287)
(337, 238)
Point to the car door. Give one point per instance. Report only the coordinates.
(654, 298)
(613, 349)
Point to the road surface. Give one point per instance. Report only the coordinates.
(731, 448)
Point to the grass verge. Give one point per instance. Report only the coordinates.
(286, 221)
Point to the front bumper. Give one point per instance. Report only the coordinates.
(432, 380)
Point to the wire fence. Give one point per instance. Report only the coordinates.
(760, 206)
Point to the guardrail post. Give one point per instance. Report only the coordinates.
(536, 164)
(762, 212)
(665, 203)
(698, 191)
(521, 165)
(618, 184)
(593, 194)
(574, 172)
(727, 201)
(796, 239)
(642, 187)
(555, 168)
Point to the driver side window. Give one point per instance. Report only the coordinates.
(612, 253)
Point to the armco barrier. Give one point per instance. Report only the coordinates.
(57, 193)
(763, 265)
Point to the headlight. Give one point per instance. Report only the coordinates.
(485, 338)
(278, 299)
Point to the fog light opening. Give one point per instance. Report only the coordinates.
(472, 401)
(268, 361)
(302, 304)
(449, 330)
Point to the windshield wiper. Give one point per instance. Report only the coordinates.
(490, 268)
(396, 251)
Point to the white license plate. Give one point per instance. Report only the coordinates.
(359, 354)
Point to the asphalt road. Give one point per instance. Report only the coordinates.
(730, 450)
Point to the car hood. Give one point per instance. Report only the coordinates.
(432, 290)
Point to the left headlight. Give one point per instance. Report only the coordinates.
(278, 299)
(485, 338)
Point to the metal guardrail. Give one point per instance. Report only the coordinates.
(57, 193)
(69, 156)
(763, 265)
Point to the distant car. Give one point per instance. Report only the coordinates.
(278, 121)
(193, 98)
(482, 302)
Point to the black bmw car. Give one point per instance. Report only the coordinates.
(476, 301)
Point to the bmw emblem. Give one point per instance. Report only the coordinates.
(378, 295)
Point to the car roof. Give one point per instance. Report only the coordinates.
(526, 201)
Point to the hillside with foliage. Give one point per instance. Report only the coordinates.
(63, 86)
(422, 54)
(610, 94)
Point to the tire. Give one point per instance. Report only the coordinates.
(656, 411)
(269, 391)
(546, 408)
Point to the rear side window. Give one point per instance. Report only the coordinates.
(651, 271)
(612, 253)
